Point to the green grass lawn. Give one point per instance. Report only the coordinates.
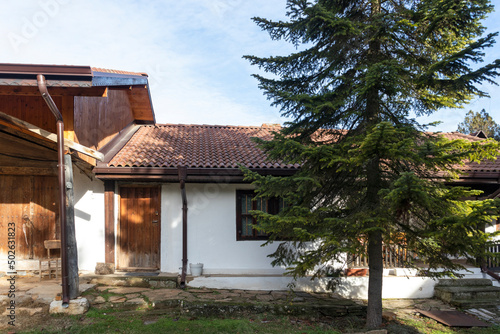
(110, 321)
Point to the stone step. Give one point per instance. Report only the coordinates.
(450, 293)
(478, 303)
(464, 282)
(468, 293)
(217, 308)
(133, 281)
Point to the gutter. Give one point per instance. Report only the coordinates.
(182, 170)
(42, 87)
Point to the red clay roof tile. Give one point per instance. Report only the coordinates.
(196, 146)
(111, 71)
(486, 166)
(218, 146)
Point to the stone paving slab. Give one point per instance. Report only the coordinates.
(126, 290)
(162, 294)
(31, 293)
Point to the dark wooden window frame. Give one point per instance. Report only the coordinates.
(272, 207)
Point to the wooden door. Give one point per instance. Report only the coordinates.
(138, 245)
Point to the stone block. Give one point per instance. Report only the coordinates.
(104, 268)
(163, 284)
(75, 306)
(99, 300)
(84, 287)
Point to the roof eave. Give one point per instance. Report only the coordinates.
(194, 175)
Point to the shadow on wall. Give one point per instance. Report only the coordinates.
(82, 215)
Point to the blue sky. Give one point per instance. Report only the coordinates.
(191, 49)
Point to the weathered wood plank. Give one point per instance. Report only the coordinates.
(72, 249)
(109, 221)
(28, 171)
(99, 120)
(31, 109)
(29, 203)
(30, 128)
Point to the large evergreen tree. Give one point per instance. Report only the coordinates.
(480, 121)
(371, 176)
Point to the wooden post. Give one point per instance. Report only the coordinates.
(109, 221)
(72, 250)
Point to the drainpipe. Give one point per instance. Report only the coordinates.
(42, 87)
(489, 272)
(182, 180)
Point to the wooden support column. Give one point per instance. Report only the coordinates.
(72, 250)
(109, 221)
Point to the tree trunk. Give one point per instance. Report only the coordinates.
(376, 266)
(374, 184)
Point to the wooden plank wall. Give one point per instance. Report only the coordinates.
(99, 119)
(31, 109)
(33, 197)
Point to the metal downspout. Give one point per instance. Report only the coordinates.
(182, 180)
(490, 273)
(42, 87)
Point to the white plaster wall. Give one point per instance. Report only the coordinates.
(349, 287)
(491, 228)
(211, 232)
(89, 220)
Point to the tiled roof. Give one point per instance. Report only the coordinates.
(59, 70)
(218, 146)
(458, 135)
(110, 71)
(196, 146)
(486, 166)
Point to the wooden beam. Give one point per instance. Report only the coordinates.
(72, 249)
(54, 91)
(109, 221)
(32, 129)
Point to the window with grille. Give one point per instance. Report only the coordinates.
(245, 203)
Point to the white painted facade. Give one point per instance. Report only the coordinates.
(211, 232)
(211, 229)
(89, 220)
(227, 263)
